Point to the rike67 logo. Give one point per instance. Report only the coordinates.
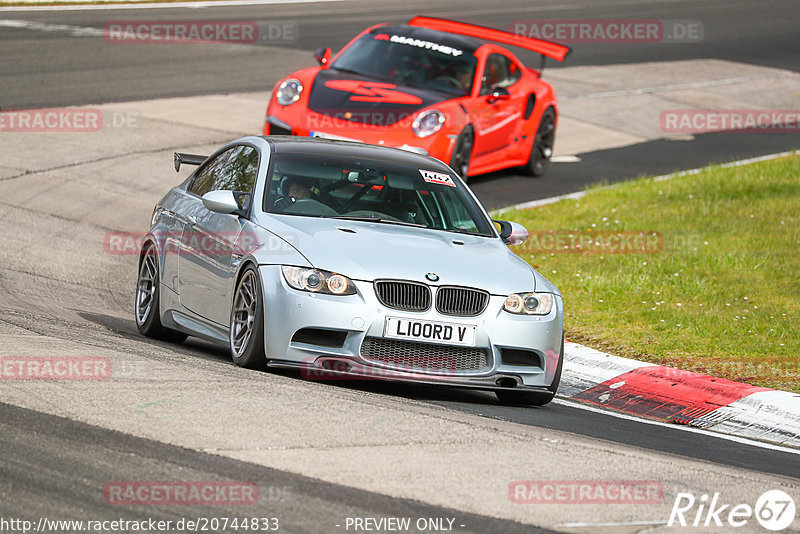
(774, 510)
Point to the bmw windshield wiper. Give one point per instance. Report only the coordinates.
(377, 219)
(466, 232)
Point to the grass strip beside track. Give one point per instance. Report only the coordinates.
(705, 278)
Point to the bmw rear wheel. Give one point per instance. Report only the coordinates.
(146, 305)
(247, 322)
(542, 148)
(462, 153)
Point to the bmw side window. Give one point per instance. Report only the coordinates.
(205, 178)
(233, 170)
(239, 171)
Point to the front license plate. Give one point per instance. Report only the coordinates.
(430, 331)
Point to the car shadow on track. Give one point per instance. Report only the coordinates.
(193, 346)
(126, 328)
(419, 392)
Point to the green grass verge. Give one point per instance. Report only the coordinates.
(715, 285)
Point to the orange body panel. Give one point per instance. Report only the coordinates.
(503, 136)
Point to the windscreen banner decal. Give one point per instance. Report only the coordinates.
(442, 49)
(437, 178)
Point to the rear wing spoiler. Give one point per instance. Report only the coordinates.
(546, 48)
(188, 159)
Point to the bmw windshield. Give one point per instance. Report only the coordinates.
(372, 190)
(410, 61)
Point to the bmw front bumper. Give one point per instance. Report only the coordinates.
(330, 337)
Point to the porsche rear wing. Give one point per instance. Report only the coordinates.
(546, 48)
(188, 159)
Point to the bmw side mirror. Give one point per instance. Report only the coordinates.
(322, 55)
(512, 233)
(498, 93)
(222, 202)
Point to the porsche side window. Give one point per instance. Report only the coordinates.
(514, 73)
(499, 71)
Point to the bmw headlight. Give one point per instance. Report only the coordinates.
(289, 92)
(318, 281)
(529, 303)
(428, 122)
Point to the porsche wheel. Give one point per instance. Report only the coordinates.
(247, 322)
(542, 149)
(462, 153)
(146, 307)
(534, 398)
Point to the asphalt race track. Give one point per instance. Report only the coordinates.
(55, 68)
(319, 452)
(35, 443)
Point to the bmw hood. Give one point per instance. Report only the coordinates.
(369, 251)
(350, 97)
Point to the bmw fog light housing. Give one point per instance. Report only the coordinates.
(529, 303)
(428, 123)
(318, 281)
(289, 92)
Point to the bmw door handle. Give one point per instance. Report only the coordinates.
(191, 221)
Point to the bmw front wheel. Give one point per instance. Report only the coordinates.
(247, 322)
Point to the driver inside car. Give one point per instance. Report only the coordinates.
(292, 189)
(298, 190)
(464, 77)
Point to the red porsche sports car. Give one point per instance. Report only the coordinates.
(432, 86)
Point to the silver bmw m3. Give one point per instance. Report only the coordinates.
(347, 260)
